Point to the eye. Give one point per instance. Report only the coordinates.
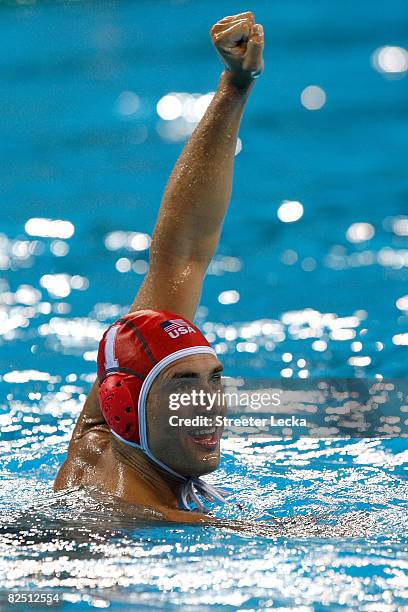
(184, 383)
(216, 377)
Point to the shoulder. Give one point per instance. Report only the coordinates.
(84, 453)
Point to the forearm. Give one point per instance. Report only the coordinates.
(199, 188)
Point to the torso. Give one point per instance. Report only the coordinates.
(91, 464)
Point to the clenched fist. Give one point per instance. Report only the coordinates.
(239, 42)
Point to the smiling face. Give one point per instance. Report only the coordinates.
(191, 449)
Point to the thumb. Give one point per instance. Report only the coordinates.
(253, 56)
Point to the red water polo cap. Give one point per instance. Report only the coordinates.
(132, 353)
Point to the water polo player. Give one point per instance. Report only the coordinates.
(123, 443)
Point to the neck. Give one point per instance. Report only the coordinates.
(163, 486)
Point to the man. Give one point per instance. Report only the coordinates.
(123, 443)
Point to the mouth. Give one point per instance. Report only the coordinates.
(206, 437)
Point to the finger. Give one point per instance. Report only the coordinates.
(256, 35)
(253, 56)
(228, 38)
(223, 25)
(248, 15)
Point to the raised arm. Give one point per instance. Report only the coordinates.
(197, 193)
(199, 188)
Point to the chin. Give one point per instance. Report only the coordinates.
(193, 466)
(200, 467)
(207, 469)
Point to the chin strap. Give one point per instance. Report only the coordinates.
(192, 487)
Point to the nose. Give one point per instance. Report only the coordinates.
(212, 401)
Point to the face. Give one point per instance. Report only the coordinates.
(182, 407)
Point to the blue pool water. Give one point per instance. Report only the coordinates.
(81, 141)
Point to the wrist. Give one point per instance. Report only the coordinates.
(235, 84)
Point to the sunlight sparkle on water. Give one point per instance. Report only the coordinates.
(131, 241)
(49, 228)
(391, 60)
(290, 211)
(402, 303)
(289, 257)
(286, 372)
(59, 248)
(360, 232)
(247, 347)
(359, 361)
(169, 107)
(319, 345)
(180, 112)
(400, 339)
(228, 297)
(400, 226)
(356, 347)
(123, 265)
(26, 294)
(313, 97)
(140, 266)
(60, 285)
(57, 285)
(23, 376)
(191, 107)
(128, 103)
(220, 264)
